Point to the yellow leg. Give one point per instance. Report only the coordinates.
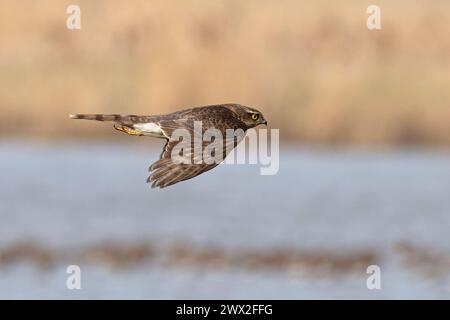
(127, 130)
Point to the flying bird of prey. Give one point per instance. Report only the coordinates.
(165, 171)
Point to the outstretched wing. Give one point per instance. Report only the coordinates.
(168, 171)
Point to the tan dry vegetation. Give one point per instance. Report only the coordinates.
(424, 261)
(177, 255)
(312, 67)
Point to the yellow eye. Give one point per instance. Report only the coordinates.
(255, 116)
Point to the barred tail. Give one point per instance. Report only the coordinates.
(107, 117)
(97, 117)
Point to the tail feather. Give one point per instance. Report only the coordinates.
(107, 117)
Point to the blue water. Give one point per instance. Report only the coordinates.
(68, 196)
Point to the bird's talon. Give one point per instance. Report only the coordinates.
(127, 130)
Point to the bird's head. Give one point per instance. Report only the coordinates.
(251, 117)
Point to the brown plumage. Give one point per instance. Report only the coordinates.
(166, 171)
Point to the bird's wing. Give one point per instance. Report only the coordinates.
(167, 171)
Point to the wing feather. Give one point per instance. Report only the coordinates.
(165, 171)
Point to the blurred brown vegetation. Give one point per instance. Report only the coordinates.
(312, 67)
(122, 256)
(425, 261)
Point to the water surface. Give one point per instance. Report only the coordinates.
(307, 232)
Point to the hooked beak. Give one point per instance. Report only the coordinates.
(264, 122)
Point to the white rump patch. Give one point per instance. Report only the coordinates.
(150, 128)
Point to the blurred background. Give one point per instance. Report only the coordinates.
(364, 164)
